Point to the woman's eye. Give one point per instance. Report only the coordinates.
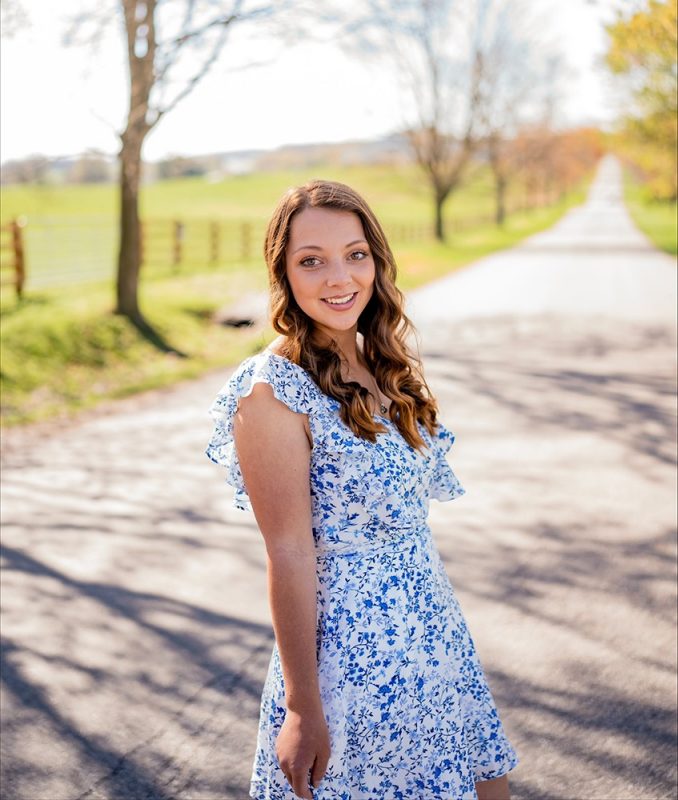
(310, 261)
(358, 255)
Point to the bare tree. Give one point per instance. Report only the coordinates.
(170, 47)
(434, 49)
(446, 105)
(518, 79)
(471, 70)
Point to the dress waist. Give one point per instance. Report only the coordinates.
(385, 538)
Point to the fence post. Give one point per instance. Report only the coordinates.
(177, 243)
(19, 255)
(246, 240)
(214, 242)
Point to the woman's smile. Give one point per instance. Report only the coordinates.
(340, 303)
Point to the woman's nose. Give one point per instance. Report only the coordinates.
(338, 274)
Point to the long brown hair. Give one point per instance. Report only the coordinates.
(383, 323)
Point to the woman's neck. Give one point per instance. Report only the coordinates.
(349, 346)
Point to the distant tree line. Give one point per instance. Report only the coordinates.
(540, 158)
(95, 167)
(89, 167)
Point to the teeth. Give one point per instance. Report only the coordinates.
(339, 300)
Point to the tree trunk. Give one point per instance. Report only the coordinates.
(141, 48)
(500, 198)
(439, 228)
(129, 255)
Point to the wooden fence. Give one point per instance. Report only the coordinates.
(52, 251)
(12, 245)
(199, 242)
(61, 251)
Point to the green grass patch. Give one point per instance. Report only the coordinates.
(657, 219)
(64, 351)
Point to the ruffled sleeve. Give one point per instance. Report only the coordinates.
(444, 483)
(291, 386)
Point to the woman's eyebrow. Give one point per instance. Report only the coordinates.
(317, 247)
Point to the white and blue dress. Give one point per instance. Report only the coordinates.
(409, 711)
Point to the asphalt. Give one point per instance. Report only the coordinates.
(134, 614)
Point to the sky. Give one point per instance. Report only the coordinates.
(58, 100)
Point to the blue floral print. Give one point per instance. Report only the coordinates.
(408, 708)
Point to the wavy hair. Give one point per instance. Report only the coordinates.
(383, 323)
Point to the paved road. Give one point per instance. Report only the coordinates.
(135, 618)
(593, 262)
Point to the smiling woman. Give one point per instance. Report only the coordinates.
(343, 264)
(330, 436)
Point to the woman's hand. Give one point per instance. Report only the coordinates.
(303, 745)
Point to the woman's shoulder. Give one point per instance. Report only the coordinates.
(275, 347)
(271, 361)
(291, 384)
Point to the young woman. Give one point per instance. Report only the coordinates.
(330, 436)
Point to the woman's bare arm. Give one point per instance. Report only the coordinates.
(274, 457)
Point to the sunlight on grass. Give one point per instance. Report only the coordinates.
(64, 350)
(656, 219)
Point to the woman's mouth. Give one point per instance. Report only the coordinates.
(340, 303)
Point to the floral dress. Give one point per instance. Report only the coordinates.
(408, 708)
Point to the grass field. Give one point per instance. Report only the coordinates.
(395, 193)
(657, 219)
(63, 350)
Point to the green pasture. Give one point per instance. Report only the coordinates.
(64, 351)
(656, 218)
(396, 193)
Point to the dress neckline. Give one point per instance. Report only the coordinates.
(329, 397)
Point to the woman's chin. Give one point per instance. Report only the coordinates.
(333, 327)
(337, 320)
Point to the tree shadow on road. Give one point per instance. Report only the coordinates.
(574, 419)
(171, 706)
(586, 722)
(618, 380)
(576, 592)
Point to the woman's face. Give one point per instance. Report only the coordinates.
(329, 267)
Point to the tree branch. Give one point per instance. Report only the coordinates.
(171, 50)
(158, 113)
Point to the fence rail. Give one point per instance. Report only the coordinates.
(199, 242)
